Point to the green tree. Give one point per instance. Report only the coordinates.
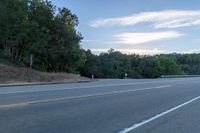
(37, 27)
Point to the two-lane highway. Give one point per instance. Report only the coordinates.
(103, 106)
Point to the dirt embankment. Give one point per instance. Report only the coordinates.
(9, 74)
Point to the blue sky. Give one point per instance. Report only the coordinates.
(138, 26)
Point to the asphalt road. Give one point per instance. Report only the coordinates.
(104, 106)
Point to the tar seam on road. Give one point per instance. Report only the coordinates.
(78, 97)
(126, 130)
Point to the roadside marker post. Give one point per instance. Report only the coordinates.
(31, 61)
(125, 75)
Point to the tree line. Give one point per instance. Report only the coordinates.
(114, 64)
(39, 28)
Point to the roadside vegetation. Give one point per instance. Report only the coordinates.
(39, 28)
(11, 74)
(114, 64)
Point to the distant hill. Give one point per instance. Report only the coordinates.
(11, 74)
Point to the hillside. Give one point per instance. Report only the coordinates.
(10, 74)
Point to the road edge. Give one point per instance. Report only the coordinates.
(44, 83)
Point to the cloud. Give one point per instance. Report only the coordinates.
(132, 51)
(140, 38)
(191, 51)
(153, 51)
(160, 19)
(89, 40)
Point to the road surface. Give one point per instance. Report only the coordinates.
(103, 106)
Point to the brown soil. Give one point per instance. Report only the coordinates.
(9, 74)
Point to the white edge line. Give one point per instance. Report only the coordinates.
(126, 130)
(77, 97)
(97, 86)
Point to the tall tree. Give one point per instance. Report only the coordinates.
(37, 27)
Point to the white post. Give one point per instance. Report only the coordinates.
(125, 75)
(31, 61)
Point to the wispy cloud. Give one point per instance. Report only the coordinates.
(160, 19)
(140, 38)
(132, 51)
(89, 40)
(152, 51)
(190, 51)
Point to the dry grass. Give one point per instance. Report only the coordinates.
(9, 74)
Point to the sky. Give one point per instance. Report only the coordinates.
(138, 26)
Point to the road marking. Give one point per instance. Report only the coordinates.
(126, 130)
(78, 97)
(13, 105)
(98, 86)
(95, 86)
